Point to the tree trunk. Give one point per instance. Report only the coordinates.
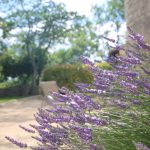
(35, 78)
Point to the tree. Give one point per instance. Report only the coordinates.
(15, 68)
(5, 27)
(39, 26)
(59, 57)
(112, 11)
(82, 41)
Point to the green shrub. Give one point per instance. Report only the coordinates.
(104, 65)
(67, 74)
(7, 84)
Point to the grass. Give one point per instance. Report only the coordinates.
(7, 99)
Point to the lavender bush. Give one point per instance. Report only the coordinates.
(116, 101)
(140, 146)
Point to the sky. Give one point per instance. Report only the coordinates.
(83, 7)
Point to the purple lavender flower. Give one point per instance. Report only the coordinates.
(37, 148)
(93, 147)
(91, 103)
(60, 119)
(147, 85)
(84, 133)
(136, 102)
(139, 39)
(60, 97)
(79, 119)
(17, 143)
(58, 110)
(95, 121)
(129, 86)
(38, 127)
(39, 139)
(80, 101)
(140, 146)
(86, 61)
(122, 104)
(26, 129)
(128, 73)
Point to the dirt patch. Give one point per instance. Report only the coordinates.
(15, 113)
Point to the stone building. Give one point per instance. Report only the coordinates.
(137, 13)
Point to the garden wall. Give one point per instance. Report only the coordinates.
(15, 91)
(137, 14)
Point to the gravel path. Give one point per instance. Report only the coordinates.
(14, 113)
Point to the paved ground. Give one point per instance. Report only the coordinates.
(14, 113)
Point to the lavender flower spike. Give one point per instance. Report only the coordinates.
(26, 129)
(19, 144)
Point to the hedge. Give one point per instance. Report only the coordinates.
(67, 74)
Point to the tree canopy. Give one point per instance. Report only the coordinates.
(112, 11)
(29, 31)
(37, 26)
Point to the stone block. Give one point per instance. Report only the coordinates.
(47, 86)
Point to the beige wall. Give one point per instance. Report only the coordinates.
(137, 13)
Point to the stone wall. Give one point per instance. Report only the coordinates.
(137, 13)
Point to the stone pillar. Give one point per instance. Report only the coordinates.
(46, 86)
(137, 14)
